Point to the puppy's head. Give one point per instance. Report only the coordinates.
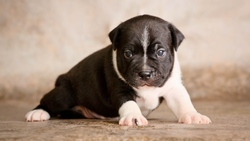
(143, 50)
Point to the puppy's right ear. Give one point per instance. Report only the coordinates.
(177, 36)
(114, 36)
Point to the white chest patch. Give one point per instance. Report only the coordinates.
(148, 99)
(149, 96)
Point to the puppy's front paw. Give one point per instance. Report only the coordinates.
(195, 118)
(133, 119)
(37, 115)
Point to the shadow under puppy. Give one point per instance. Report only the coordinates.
(126, 79)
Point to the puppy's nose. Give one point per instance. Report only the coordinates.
(145, 74)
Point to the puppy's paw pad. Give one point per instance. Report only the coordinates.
(37, 115)
(133, 119)
(194, 118)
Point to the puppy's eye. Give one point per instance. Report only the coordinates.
(161, 53)
(128, 54)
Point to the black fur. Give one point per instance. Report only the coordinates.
(92, 83)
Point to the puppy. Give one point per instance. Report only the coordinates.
(128, 78)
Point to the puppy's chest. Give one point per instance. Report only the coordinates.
(147, 100)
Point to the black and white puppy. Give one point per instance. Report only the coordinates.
(127, 79)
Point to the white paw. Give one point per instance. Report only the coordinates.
(194, 118)
(37, 115)
(133, 119)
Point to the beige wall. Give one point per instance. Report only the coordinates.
(41, 39)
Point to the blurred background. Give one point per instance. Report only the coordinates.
(41, 39)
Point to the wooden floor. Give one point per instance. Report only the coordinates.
(231, 121)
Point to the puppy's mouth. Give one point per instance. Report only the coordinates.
(147, 83)
(137, 80)
(144, 85)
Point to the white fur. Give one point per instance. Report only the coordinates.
(145, 43)
(130, 114)
(37, 115)
(114, 61)
(195, 118)
(129, 107)
(149, 96)
(148, 99)
(146, 106)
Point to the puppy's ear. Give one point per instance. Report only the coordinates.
(177, 36)
(113, 36)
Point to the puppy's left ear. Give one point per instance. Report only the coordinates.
(177, 36)
(113, 36)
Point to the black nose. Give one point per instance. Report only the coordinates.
(145, 74)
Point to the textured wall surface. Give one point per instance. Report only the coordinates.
(41, 39)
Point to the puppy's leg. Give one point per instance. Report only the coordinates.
(60, 99)
(130, 114)
(179, 102)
